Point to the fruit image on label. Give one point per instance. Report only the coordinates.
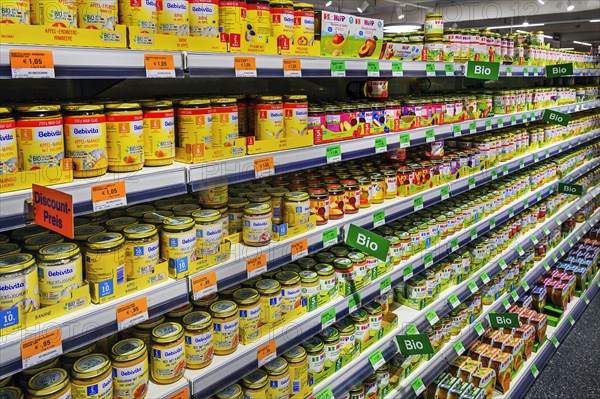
(40, 142)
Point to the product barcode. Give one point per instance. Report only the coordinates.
(157, 278)
(120, 274)
(296, 387)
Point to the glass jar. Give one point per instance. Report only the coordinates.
(59, 272)
(327, 278)
(92, 373)
(360, 318)
(336, 201)
(248, 301)
(141, 250)
(315, 351)
(296, 208)
(310, 283)
(226, 334)
(178, 244)
(209, 232)
(298, 363)
(168, 353)
(104, 261)
(277, 194)
(199, 348)
(49, 383)
(319, 205)
(344, 275)
(256, 385)
(291, 290)
(235, 207)
(332, 347)
(143, 330)
(378, 187)
(270, 300)
(130, 369)
(375, 317)
(257, 225)
(279, 378)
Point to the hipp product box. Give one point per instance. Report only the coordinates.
(344, 35)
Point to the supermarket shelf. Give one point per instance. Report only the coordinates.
(428, 371)
(91, 63)
(230, 171)
(177, 390)
(92, 323)
(278, 253)
(360, 368)
(224, 370)
(531, 71)
(144, 185)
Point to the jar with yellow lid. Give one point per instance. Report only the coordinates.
(295, 108)
(248, 302)
(49, 383)
(434, 25)
(359, 263)
(306, 263)
(277, 194)
(91, 377)
(4, 238)
(25, 375)
(185, 209)
(346, 330)
(344, 275)
(296, 208)
(259, 197)
(257, 225)
(34, 244)
(143, 330)
(226, 334)
(235, 207)
(291, 290)
(225, 128)
(279, 378)
(366, 192)
(138, 211)
(375, 312)
(332, 346)
(178, 244)
(378, 187)
(168, 353)
(117, 225)
(269, 118)
(327, 279)
(315, 351)
(176, 315)
(194, 124)
(256, 385)
(198, 338)
(357, 391)
(141, 250)
(68, 359)
(298, 364)
(360, 318)
(9, 249)
(370, 386)
(205, 302)
(105, 263)
(19, 282)
(209, 232)
(130, 369)
(60, 271)
(233, 391)
(213, 198)
(159, 133)
(10, 392)
(270, 300)
(282, 24)
(311, 286)
(124, 136)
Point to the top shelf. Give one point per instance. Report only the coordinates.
(95, 63)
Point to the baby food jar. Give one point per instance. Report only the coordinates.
(176, 315)
(124, 137)
(226, 335)
(311, 286)
(92, 375)
(296, 208)
(298, 365)
(257, 225)
(344, 275)
(130, 369)
(48, 384)
(25, 375)
(269, 118)
(256, 385)
(332, 346)
(277, 194)
(291, 290)
(194, 121)
(327, 278)
(159, 133)
(60, 271)
(39, 136)
(178, 244)
(336, 201)
(225, 128)
(105, 261)
(117, 225)
(209, 232)
(315, 351)
(214, 198)
(248, 301)
(168, 353)
(233, 391)
(198, 337)
(235, 207)
(141, 250)
(347, 337)
(68, 359)
(360, 318)
(143, 330)
(319, 205)
(279, 378)
(34, 244)
(270, 300)
(375, 317)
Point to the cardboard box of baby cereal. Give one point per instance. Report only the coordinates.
(349, 36)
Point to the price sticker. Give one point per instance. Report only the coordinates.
(459, 348)
(532, 116)
(418, 386)
(586, 300)
(555, 342)
(454, 245)
(379, 218)
(554, 258)
(562, 252)
(546, 266)
(325, 394)
(183, 393)
(505, 169)
(299, 249)
(502, 264)
(505, 303)
(108, 196)
(385, 285)
(508, 71)
(428, 260)
(373, 69)
(488, 124)
(513, 120)
(204, 285)
(534, 371)
(472, 127)
(430, 69)
(473, 287)
(547, 153)
(570, 243)
(525, 286)
(266, 353)
(484, 277)
(511, 213)
(405, 140)
(377, 360)
(40, 348)
(449, 69)
(330, 237)
(338, 68)
(292, 68)
(31, 64)
(418, 203)
(429, 135)
(333, 153)
(577, 237)
(520, 250)
(536, 158)
(456, 130)
(256, 265)
(473, 234)
(500, 122)
(327, 318)
(525, 204)
(521, 164)
(571, 320)
(538, 196)
(454, 301)
(264, 167)
(471, 182)
(535, 72)
(159, 65)
(354, 302)
(380, 145)
(245, 67)
(525, 72)
(407, 272)
(479, 329)
(132, 313)
(534, 240)
(494, 174)
(412, 329)
(397, 70)
(445, 193)
(514, 296)
(492, 223)
(557, 221)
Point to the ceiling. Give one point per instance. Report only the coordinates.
(571, 25)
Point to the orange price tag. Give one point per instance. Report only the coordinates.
(40, 348)
(245, 67)
(32, 64)
(159, 65)
(256, 265)
(109, 195)
(183, 393)
(264, 167)
(299, 249)
(266, 353)
(204, 285)
(292, 68)
(53, 209)
(132, 313)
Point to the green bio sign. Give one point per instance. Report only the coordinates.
(368, 242)
(575, 189)
(553, 71)
(558, 118)
(483, 70)
(502, 320)
(416, 344)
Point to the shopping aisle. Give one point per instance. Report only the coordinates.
(573, 370)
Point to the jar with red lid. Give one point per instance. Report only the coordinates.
(403, 174)
(393, 113)
(351, 196)
(336, 201)
(316, 121)
(330, 180)
(365, 191)
(297, 187)
(319, 205)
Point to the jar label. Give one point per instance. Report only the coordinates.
(199, 347)
(85, 142)
(208, 238)
(141, 259)
(125, 140)
(332, 351)
(291, 298)
(179, 249)
(101, 390)
(257, 229)
(226, 334)
(159, 135)
(102, 266)
(316, 362)
(130, 382)
(57, 282)
(250, 323)
(279, 387)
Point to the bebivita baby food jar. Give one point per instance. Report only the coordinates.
(168, 353)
